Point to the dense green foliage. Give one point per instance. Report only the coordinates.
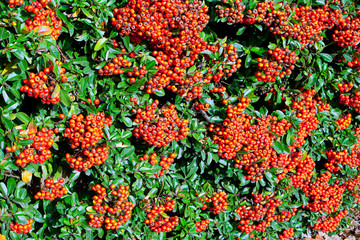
(238, 116)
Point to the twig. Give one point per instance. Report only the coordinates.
(61, 52)
(207, 118)
(10, 175)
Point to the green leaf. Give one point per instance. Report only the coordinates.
(56, 91)
(326, 57)
(240, 31)
(3, 189)
(100, 43)
(278, 147)
(126, 152)
(126, 41)
(25, 142)
(11, 185)
(21, 219)
(64, 97)
(23, 117)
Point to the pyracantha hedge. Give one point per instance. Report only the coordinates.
(178, 119)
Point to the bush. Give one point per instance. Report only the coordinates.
(178, 119)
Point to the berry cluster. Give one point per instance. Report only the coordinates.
(112, 206)
(351, 101)
(347, 32)
(150, 21)
(287, 234)
(156, 219)
(54, 190)
(232, 14)
(38, 152)
(278, 18)
(164, 162)
(219, 201)
(21, 228)
(85, 133)
(343, 88)
(11, 149)
(262, 213)
(329, 224)
(304, 169)
(281, 64)
(204, 200)
(354, 63)
(13, 3)
(116, 67)
(200, 106)
(306, 111)
(238, 134)
(93, 156)
(44, 21)
(324, 197)
(285, 216)
(202, 225)
(345, 157)
(344, 122)
(43, 84)
(160, 127)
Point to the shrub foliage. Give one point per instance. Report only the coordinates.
(178, 119)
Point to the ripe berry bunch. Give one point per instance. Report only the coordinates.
(237, 133)
(43, 84)
(306, 111)
(344, 122)
(219, 90)
(44, 21)
(353, 186)
(38, 152)
(153, 22)
(285, 216)
(351, 101)
(116, 67)
(344, 157)
(343, 88)
(13, 3)
(21, 228)
(158, 220)
(85, 132)
(308, 29)
(90, 157)
(287, 234)
(329, 224)
(260, 215)
(202, 225)
(164, 162)
(323, 196)
(54, 190)
(160, 127)
(204, 200)
(219, 202)
(112, 206)
(36, 6)
(258, 198)
(347, 32)
(281, 64)
(278, 18)
(304, 169)
(232, 14)
(200, 106)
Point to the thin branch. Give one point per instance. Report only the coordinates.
(61, 53)
(207, 118)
